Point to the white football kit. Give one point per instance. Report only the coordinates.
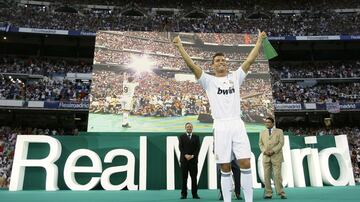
(128, 93)
(229, 130)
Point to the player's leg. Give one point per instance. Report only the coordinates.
(246, 179)
(226, 181)
(127, 106)
(125, 120)
(222, 148)
(242, 151)
(218, 173)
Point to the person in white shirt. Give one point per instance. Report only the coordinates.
(229, 130)
(127, 98)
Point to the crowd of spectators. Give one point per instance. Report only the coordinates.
(223, 4)
(126, 41)
(44, 89)
(162, 95)
(119, 48)
(332, 69)
(289, 85)
(103, 56)
(43, 66)
(52, 83)
(227, 38)
(312, 21)
(57, 90)
(318, 93)
(7, 148)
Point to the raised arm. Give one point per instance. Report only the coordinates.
(189, 62)
(254, 52)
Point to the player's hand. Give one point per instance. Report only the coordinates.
(177, 41)
(261, 34)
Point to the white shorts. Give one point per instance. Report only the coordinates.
(127, 104)
(230, 138)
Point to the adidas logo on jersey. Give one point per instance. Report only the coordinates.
(227, 91)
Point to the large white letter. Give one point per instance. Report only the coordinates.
(256, 184)
(70, 169)
(297, 156)
(143, 163)
(314, 163)
(341, 152)
(172, 145)
(286, 168)
(207, 148)
(130, 168)
(21, 161)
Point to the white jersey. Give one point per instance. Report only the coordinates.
(129, 89)
(224, 93)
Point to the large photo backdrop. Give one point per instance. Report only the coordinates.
(165, 93)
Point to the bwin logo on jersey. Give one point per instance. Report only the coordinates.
(227, 91)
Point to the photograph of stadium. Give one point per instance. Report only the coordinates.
(167, 94)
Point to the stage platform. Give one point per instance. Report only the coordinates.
(309, 194)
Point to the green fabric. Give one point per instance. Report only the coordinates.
(269, 50)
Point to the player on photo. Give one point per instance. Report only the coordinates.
(127, 98)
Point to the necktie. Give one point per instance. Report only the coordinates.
(269, 131)
(189, 136)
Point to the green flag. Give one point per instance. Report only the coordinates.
(269, 51)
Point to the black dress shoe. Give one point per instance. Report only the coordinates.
(196, 197)
(238, 197)
(283, 197)
(267, 197)
(183, 197)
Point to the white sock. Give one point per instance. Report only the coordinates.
(125, 118)
(226, 185)
(247, 184)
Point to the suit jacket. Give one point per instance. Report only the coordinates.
(189, 146)
(275, 142)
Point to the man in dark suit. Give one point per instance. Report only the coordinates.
(189, 145)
